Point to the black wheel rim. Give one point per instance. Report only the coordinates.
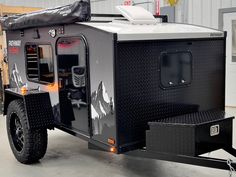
(17, 133)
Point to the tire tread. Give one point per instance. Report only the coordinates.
(35, 141)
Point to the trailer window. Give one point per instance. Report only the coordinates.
(39, 63)
(72, 48)
(71, 53)
(176, 69)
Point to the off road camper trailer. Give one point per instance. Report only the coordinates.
(129, 86)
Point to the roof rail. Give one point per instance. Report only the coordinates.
(164, 18)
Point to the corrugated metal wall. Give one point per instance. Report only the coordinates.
(200, 12)
(108, 6)
(101, 6)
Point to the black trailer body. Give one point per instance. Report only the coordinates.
(127, 82)
(120, 86)
(144, 70)
(78, 45)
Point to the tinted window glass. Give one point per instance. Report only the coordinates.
(39, 63)
(176, 69)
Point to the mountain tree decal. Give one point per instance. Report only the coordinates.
(101, 109)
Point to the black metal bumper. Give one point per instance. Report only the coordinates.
(191, 160)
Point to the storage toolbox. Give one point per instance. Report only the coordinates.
(190, 134)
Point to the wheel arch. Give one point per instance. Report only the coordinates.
(8, 98)
(37, 105)
(27, 145)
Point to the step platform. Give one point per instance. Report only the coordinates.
(191, 134)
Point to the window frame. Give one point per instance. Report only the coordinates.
(87, 57)
(191, 67)
(26, 65)
(76, 36)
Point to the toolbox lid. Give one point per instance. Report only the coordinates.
(197, 118)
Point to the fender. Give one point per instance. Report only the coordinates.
(37, 106)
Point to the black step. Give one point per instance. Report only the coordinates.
(191, 134)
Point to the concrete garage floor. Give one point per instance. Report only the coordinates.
(68, 156)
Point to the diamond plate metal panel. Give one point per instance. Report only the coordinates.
(139, 97)
(190, 134)
(39, 110)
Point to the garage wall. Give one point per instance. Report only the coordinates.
(36, 3)
(108, 6)
(101, 6)
(201, 12)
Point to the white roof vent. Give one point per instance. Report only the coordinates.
(137, 15)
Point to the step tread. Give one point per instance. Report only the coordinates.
(195, 118)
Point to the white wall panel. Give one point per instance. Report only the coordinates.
(187, 11)
(107, 6)
(197, 11)
(216, 5)
(179, 12)
(206, 12)
(226, 3)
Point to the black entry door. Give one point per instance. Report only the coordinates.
(73, 87)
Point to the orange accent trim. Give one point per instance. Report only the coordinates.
(24, 90)
(113, 149)
(111, 141)
(52, 87)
